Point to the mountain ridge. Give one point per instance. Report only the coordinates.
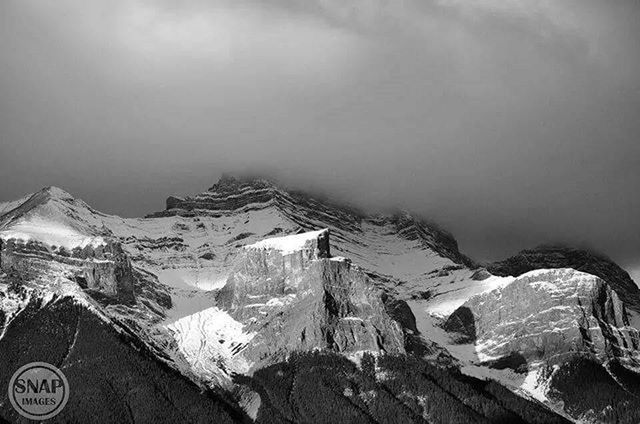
(240, 277)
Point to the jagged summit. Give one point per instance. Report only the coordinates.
(233, 195)
(230, 182)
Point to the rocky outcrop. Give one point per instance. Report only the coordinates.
(104, 270)
(174, 202)
(228, 194)
(300, 299)
(463, 323)
(546, 315)
(545, 257)
(431, 236)
(264, 272)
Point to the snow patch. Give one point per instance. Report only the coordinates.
(205, 279)
(212, 341)
(444, 304)
(278, 302)
(356, 357)
(339, 259)
(288, 244)
(50, 233)
(534, 385)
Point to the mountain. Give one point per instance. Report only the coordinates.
(112, 376)
(545, 328)
(378, 313)
(546, 314)
(578, 259)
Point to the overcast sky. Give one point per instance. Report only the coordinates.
(510, 122)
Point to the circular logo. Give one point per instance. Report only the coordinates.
(38, 391)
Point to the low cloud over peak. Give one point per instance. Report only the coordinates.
(512, 123)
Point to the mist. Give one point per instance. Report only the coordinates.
(510, 123)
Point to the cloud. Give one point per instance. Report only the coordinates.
(512, 123)
(224, 37)
(142, 40)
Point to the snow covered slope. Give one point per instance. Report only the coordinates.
(405, 255)
(531, 332)
(239, 276)
(289, 244)
(10, 205)
(191, 247)
(179, 266)
(211, 341)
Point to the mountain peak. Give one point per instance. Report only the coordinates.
(56, 192)
(300, 210)
(230, 182)
(49, 201)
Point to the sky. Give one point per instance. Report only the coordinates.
(510, 122)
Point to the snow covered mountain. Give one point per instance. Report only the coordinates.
(580, 260)
(243, 276)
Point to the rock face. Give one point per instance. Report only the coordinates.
(560, 335)
(548, 315)
(104, 269)
(47, 233)
(298, 299)
(431, 235)
(545, 257)
(271, 270)
(286, 295)
(193, 244)
(234, 194)
(462, 322)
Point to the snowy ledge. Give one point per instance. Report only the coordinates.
(289, 244)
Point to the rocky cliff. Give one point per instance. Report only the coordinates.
(287, 295)
(559, 335)
(104, 270)
(546, 315)
(545, 257)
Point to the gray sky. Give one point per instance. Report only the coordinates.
(510, 122)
